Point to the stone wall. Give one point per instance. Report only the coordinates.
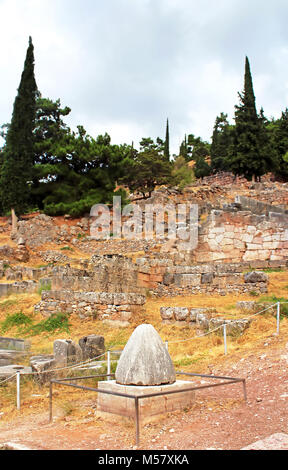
(109, 273)
(240, 236)
(96, 305)
(167, 279)
(258, 207)
(18, 287)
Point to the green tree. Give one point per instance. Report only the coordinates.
(18, 152)
(221, 144)
(249, 153)
(202, 168)
(182, 174)
(148, 169)
(166, 143)
(183, 151)
(72, 170)
(194, 147)
(278, 130)
(85, 174)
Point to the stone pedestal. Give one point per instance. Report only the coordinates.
(149, 408)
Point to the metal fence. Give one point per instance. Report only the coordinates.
(137, 398)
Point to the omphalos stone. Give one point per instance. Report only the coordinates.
(145, 360)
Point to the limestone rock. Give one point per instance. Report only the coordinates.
(41, 368)
(145, 360)
(92, 346)
(66, 351)
(256, 276)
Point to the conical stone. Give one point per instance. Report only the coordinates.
(145, 360)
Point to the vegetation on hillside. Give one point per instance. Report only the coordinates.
(46, 166)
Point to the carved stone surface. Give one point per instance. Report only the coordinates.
(145, 360)
(92, 346)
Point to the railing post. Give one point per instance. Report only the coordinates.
(166, 344)
(108, 364)
(50, 403)
(278, 318)
(18, 389)
(225, 338)
(244, 389)
(137, 420)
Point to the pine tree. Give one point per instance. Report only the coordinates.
(183, 151)
(279, 136)
(221, 142)
(166, 144)
(17, 166)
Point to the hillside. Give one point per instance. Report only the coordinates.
(52, 263)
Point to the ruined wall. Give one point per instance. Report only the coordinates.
(106, 289)
(113, 273)
(204, 319)
(242, 236)
(96, 305)
(167, 279)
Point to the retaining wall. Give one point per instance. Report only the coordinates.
(97, 305)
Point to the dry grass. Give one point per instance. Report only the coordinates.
(189, 352)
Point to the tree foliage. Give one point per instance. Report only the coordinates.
(182, 174)
(222, 140)
(250, 154)
(18, 152)
(148, 169)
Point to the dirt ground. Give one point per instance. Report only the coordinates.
(219, 419)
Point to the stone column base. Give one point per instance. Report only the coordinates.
(148, 407)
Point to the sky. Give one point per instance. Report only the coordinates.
(126, 66)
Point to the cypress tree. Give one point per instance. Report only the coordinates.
(166, 144)
(18, 154)
(246, 159)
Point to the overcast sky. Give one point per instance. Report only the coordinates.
(125, 66)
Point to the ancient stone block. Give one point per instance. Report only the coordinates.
(42, 367)
(187, 280)
(167, 313)
(255, 276)
(207, 278)
(233, 327)
(66, 351)
(145, 360)
(148, 407)
(92, 346)
(181, 313)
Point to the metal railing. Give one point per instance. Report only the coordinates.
(137, 398)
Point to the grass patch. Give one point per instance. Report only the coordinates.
(18, 319)
(186, 361)
(7, 303)
(274, 299)
(66, 248)
(57, 322)
(254, 293)
(81, 235)
(273, 270)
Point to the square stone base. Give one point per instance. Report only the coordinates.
(148, 407)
